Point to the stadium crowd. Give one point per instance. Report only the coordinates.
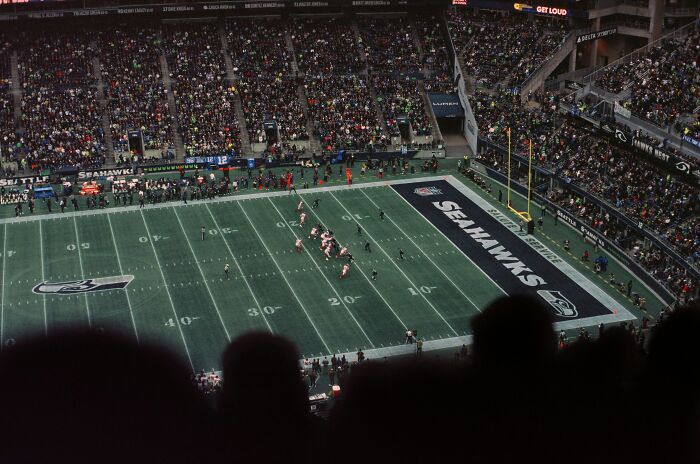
(204, 99)
(8, 135)
(397, 96)
(501, 400)
(389, 45)
(60, 111)
(342, 111)
(133, 82)
(503, 49)
(268, 88)
(436, 60)
(664, 83)
(326, 46)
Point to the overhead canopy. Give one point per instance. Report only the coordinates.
(446, 105)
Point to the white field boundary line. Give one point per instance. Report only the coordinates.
(167, 290)
(408, 279)
(121, 271)
(425, 254)
(2, 298)
(43, 279)
(226, 199)
(82, 271)
(376, 354)
(308, 253)
(240, 270)
(204, 278)
(611, 255)
(618, 315)
(279, 269)
(450, 241)
(362, 272)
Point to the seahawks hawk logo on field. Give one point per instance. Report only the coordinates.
(562, 306)
(426, 191)
(83, 286)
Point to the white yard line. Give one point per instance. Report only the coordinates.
(43, 279)
(82, 272)
(272, 256)
(204, 278)
(165, 283)
(2, 298)
(240, 270)
(340, 298)
(121, 271)
(425, 254)
(365, 276)
(401, 271)
(377, 354)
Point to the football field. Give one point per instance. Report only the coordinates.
(150, 275)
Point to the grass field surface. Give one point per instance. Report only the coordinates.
(178, 295)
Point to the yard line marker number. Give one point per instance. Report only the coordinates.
(325, 345)
(194, 255)
(235, 261)
(172, 305)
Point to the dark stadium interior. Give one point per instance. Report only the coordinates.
(563, 132)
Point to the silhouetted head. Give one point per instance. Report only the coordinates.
(513, 331)
(674, 350)
(72, 397)
(262, 382)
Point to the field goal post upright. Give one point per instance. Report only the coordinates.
(524, 215)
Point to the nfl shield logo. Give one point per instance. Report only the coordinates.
(426, 191)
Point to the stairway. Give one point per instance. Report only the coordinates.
(361, 46)
(102, 100)
(416, 40)
(314, 142)
(246, 148)
(378, 110)
(428, 108)
(290, 49)
(16, 91)
(172, 109)
(228, 62)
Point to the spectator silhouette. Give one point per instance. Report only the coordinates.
(264, 403)
(82, 397)
(672, 382)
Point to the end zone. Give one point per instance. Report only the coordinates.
(517, 262)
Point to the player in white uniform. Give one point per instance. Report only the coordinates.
(327, 252)
(343, 252)
(302, 218)
(300, 207)
(314, 233)
(345, 270)
(297, 244)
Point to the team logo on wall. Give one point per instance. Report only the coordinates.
(562, 306)
(683, 166)
(427, 191)
(619, 135)
(99, 284)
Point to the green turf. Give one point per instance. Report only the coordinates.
(180, 297)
